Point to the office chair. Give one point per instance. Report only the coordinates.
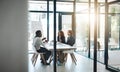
(35, 56)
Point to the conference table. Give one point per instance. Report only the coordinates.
(59, 46)
(60, 49)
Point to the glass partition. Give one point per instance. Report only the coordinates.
(66, 24)
(82, 21)
(62, 6)
(82, 33)
(51, 26)
(100, 38)
(37, 21)
(38, 17)
(114, 49)
(38, 5)
(114, 37)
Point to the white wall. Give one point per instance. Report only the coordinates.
(13, 36)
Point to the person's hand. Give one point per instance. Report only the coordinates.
(43, 38)
(46, 40)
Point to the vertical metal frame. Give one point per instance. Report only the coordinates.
(98, 30)
(54, 13)
(119, 32)
(47, 19)
(74, 19)
(106, 34)
(89, 6)
(95, 35)
(60, 21)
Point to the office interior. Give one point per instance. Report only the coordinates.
(92, 21)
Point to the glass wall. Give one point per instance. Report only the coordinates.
(82, 33)
(66, 24)
(114, 36)
(51, 26)
(100, 38)
(82, 21)
(37, 21)
(82, 30)
(38, 18)
(62, 6)
(38, 5)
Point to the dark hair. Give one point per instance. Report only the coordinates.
(38, 33)
(61, 32)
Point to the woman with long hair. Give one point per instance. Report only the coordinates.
(61, 37)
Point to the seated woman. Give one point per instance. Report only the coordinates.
(40, 47)
(61, 37)
(70, 38)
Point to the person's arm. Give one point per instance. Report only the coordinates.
(44, 38)
(41, 42)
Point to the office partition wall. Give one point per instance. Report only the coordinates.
(95, 23)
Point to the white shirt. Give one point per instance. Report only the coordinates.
(37, 43)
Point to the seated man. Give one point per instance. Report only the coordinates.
(40, 47)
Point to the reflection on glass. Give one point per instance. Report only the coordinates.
(66, 23)
(62, 6)
(82, 33)
(114, 49)
(37, 21)
(51, 26)
(38, 5)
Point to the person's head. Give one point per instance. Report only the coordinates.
(70, 32)
(60, 33)
(38, 33)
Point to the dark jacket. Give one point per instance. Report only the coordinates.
(70, 40)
